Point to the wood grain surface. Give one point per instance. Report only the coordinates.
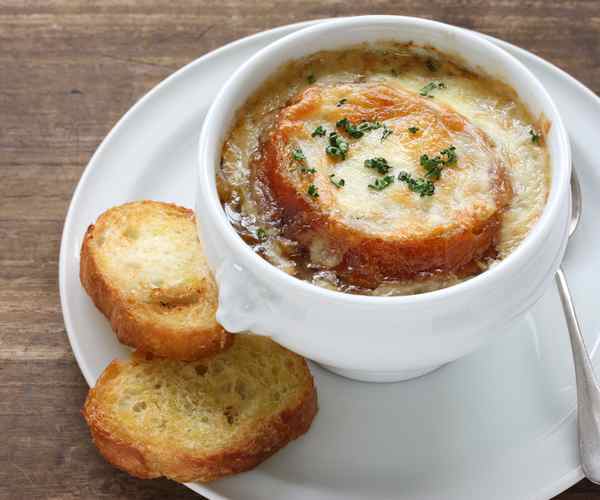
(68, 71)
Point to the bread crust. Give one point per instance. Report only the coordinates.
(146, 462)
(368, 257)
(122, 454)
(190, 343)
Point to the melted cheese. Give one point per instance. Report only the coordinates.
(466, 192)
(496, 128)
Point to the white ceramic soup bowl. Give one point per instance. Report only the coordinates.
(379, 338)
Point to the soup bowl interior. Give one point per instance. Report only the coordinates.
(365, 337)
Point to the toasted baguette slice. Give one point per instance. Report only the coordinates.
(368, 234)
(143, 267)
(199, 421)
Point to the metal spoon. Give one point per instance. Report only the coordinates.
(588, 391)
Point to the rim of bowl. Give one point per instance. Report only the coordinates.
(519, 257)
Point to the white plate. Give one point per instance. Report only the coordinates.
(498, 424)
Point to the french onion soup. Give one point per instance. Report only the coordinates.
(383, 169)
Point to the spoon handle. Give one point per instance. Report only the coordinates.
(588, 391)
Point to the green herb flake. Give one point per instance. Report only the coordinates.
(319, 131)
(386, 133)
(379, 164)
(382, 183)
(261, 234)
(356, 131)
(341, 102)
(431, 86)
(337, 183)
(433, 166)
(413, 130)
(422, 187)
(368, 126)
(306, 170)
(312, 191)
(298, 155)
(535, 137)
(450, 156)
(337, 146)
(311, 79)
(350, 129)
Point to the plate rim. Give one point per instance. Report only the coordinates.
(560, 485)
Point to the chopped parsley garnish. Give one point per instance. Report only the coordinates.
(298, 155)
(261, 234)
(382, 183)
(422, 187)
(338, 184)
(413, 130)
(319, 131)
(386, 133)
(311, 79)
(352, 130)
(432, 64)
(535, 137)
(337, 146)
(368, 126)
(341, 102)
(312, 191)
(356, 131)
(433, 166)
(450, 155)
(425, 91)
(379, 164)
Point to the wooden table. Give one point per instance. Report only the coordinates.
(68, 70)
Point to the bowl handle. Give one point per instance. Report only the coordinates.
(243, 302)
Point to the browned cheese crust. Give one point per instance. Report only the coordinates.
(401, 248)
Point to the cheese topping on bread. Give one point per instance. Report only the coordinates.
(371, 216)
(390, 231)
